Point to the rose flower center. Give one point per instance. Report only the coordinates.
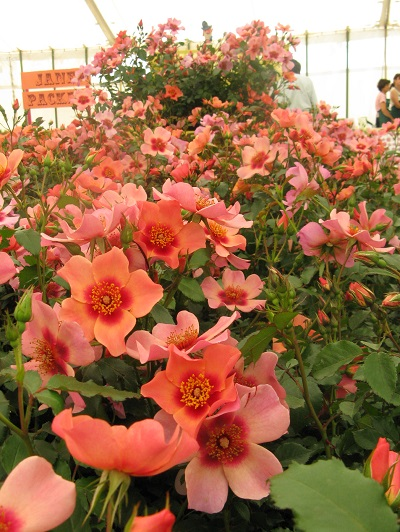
(9, 522)
(183, 339)
(225, 444)
(106, 297)
(44, 355)
(233, 294)
(196, 391)
(158, 145)
(161, 236)
(258, 160)
(217, 230)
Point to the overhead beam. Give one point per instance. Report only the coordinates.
(105, 28)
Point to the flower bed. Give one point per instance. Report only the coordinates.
(199, 300)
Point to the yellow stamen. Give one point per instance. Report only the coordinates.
(183, 339)
(225, 444)
(217, 230)
(161, 235)
(106, 297)
(196, 391)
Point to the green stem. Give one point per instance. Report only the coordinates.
(173, 288)
(226, 520)
(11, 426)
(306, 394)
(109, 517)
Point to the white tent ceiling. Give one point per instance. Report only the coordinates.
(44, 24)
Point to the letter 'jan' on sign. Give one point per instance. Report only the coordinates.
(48, 79)
(42, 99)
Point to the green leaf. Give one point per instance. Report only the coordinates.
(253, 345)
(199, 258)
(328, 496)
(332, 357)
(243, 510)
(160, 314)
(13, 452)
(32, 381)
(283, 319)
(380, 374)
(347, 408)
(191, 289)
(308, 273)
(67, 200)
(292, 452)
(29, 239)
(28, 276)
(51, 399)
(5, 411)
(87, 388)
(366, 438)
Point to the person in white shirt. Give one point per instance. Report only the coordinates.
(302, 94)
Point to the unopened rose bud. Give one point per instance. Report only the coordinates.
(367, 257)
(325, 284)
(391, 300)
(323, 318)
(23, 310)
(15, 105)
(361, 294)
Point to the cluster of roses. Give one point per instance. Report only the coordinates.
(134, 209)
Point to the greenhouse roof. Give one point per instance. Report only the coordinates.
(47, 24)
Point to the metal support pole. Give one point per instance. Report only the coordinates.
(347, 71)
(21, 64)
(53, 67)
(385, 75)
(306, 40)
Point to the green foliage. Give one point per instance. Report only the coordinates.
(325, 496)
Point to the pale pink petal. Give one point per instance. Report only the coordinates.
(207, 487)
(70, 336)
(7, 267)
(184, 321)
(40, 497)
(144, 347)
(253, 285)
(248, 479)
(263, 414)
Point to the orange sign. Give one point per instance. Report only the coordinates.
(47, 79)
(42, 99)
(36, 87)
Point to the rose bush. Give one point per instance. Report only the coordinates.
(203, 284)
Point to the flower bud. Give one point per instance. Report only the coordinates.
(391, 300)
(15, 105)
(127, 234)
(383, 466)
(367, 257)
(323, 318)
(11, 331)
(325, 284)
(360, 294)
(23, 310)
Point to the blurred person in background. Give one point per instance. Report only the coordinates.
(383, 114)
(394, 107)
(302, 94)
